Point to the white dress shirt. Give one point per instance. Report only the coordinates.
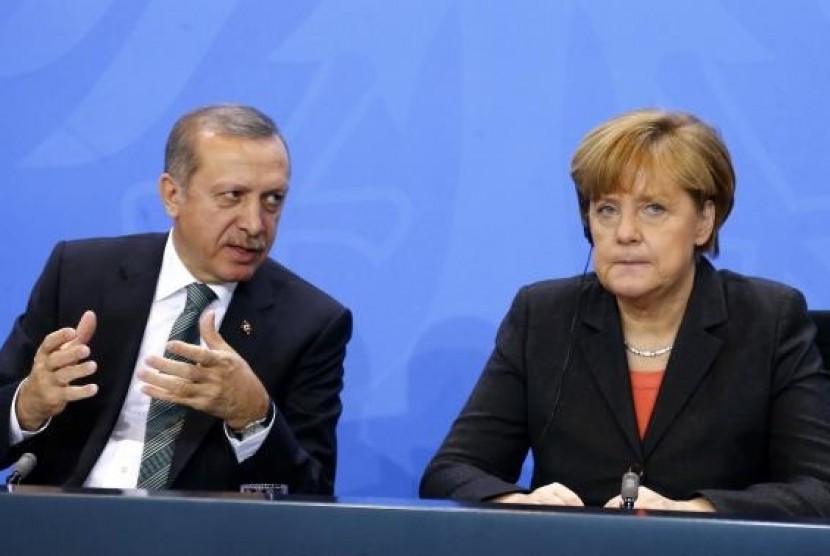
(120, 462)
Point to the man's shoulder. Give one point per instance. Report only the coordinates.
(282, 279)
(132, 245)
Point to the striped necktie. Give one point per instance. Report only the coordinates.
(165, 419)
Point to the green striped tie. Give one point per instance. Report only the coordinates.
(165, 419)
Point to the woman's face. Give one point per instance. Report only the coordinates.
(645, 238)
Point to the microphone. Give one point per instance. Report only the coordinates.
(22, 468)
(628, 490)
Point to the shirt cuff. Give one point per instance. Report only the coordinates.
(249, 446)
(16, 434)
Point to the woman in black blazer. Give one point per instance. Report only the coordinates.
(706, 383)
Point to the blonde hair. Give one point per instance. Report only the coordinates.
(672, 146)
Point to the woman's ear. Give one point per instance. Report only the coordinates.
(706, 223)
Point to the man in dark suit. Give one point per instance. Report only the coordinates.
(88, 363)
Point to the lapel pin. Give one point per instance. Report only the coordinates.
(246, 327)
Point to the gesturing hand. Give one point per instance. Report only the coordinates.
(217, 382)
(58, 361)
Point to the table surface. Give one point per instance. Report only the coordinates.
(43, 520)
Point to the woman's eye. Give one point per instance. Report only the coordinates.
(654, 209)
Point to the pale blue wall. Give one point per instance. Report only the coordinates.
(430, 141)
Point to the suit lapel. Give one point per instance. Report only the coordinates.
(600, 343)
(696, 348)
(122, 317)
(244, 327)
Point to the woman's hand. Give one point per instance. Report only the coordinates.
(647, 499)
(554, 494)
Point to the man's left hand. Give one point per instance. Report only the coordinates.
(217, 382)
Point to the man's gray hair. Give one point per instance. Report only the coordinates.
(228, 120)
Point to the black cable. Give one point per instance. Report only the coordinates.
(566, 366)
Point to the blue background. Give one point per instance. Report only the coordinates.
(430, 142)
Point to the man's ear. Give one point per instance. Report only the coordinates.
(170, 192)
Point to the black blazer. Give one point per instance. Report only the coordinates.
(742, 416)
(296, 345)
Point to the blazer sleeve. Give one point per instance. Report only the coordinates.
(18, 351)
(301, 445)
(483, 453)
(798, 428)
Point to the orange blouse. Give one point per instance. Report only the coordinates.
(644, 388)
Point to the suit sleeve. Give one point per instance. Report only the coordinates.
(20, 346)
(483, 453)
(301, 445)
(799, 427)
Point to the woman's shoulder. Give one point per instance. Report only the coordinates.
(755, 285)
(758, 292)
(559, 287)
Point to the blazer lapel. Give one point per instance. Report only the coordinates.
(600, 343)
(122, 317)
(694, 352)
(244, 327)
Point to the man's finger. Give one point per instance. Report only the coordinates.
(207, 329)
(179, 392)
(169, 367)
(159, 380)
(66, 375)
(66, 357)
(55, 341)
(86, 327)
(75, 393)
(83, 331)
(191, 352)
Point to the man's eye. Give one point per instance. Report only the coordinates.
(273, 200)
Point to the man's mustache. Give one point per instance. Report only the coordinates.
(249, 243)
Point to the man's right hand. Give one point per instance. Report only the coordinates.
(59, 361)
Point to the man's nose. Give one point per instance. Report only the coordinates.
(251, 217)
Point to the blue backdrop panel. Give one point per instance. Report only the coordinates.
(431, 142)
